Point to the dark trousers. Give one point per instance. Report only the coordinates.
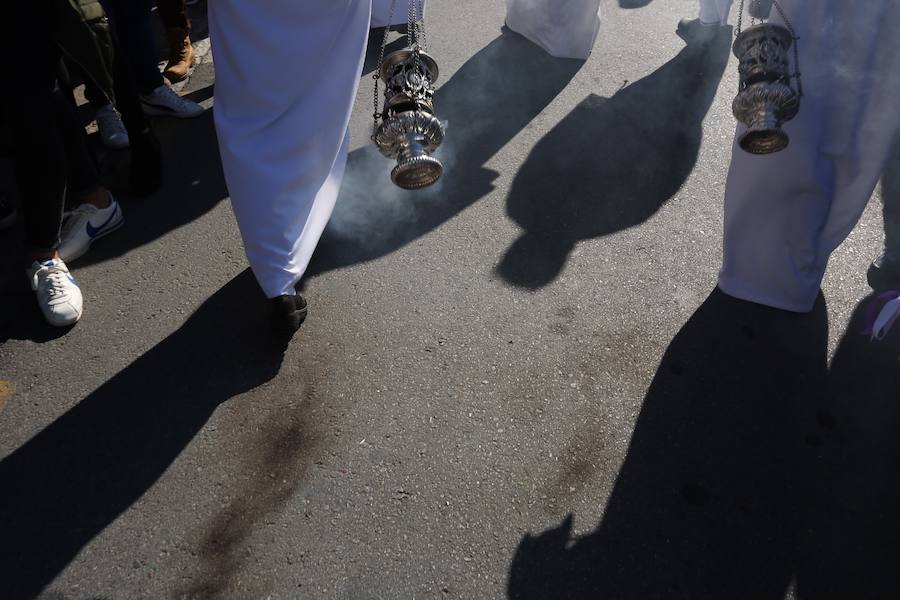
(134, 29)
(173, 14)
(49, 147)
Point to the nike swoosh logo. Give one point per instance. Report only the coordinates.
(93, 231)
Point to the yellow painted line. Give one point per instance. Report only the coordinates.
(6, 391)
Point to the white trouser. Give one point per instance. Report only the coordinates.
(786, 212)
(287, 74)
(715, 11)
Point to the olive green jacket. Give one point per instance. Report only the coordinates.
(83, 33)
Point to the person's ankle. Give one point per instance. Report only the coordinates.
(39, 255)
(98, 197)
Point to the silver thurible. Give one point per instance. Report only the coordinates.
(765, 99)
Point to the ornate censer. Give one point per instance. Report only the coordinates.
(765, 99)
(406, 129)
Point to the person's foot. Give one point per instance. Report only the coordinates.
(884, 273)
(288, 313)
(164, 102)
(112, 131)
(7, 211)
(181, 55)
(86, 224)
(58, 294)
(695, 30)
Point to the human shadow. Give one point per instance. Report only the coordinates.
(492, 97)
(70, 481)
(890, 213)
(611, 163)
(193, 184)
(712, 498)
(853, 543)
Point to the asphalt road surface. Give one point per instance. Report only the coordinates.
(520, 384)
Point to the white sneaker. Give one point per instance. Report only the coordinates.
(164, 102)
(57, 293)
(112, 131)
(86, 224)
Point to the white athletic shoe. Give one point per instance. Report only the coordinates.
(57, 293)
(112, 131)
(86, 224)
(164, 102)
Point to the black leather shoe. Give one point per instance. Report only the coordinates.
(288, 313)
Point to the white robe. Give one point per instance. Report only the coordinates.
(786, 212)
(715, 11)
(564, 28)
(287, 73)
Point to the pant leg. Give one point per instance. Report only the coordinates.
(82, 174)
(785, 213)
(132, 22)
(283, 140)
(38, 156)
(173, 14)
(96, 97)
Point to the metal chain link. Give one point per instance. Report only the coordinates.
(377, 75)
(415, 39)
(787, 23)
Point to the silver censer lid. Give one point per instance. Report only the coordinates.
(409, 132)
(765, 99)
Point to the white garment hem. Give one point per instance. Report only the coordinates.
(735, 291)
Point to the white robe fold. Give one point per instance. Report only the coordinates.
(715, 11)
(786, 212)
(564, 28)
(287, 73)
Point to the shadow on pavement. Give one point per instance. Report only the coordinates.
(611, 163)
(71, 480)
(489, 100)
(752, 469)
(193, 184)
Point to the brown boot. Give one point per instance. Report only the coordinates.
(181, 55)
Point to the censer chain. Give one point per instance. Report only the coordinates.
(377, 75)
(790, 28)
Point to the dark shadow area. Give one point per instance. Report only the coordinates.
(634, 3)
(71, 480)
(752, 469)
(611, 163)
(193, 184)
(396, 41)
(490, 99)
(879, 279)
(711, 499)
(853, 544)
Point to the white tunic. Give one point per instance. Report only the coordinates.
(564, 28)
(715, 11)
(785, 213)
(287, 74)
